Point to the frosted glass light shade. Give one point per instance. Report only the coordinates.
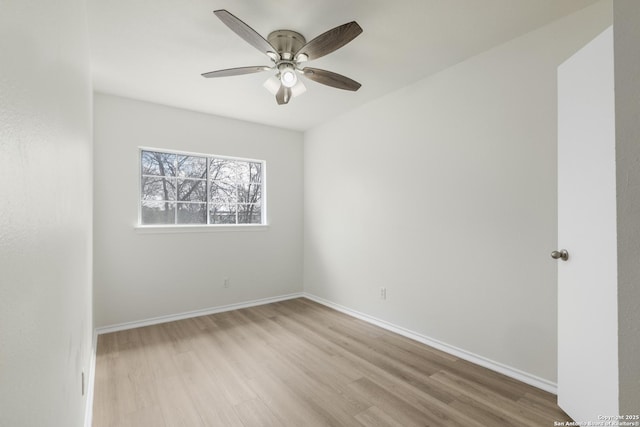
(288, 77)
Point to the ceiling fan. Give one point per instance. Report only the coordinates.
(287, 50)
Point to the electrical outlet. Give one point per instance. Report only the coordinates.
(226, 282)
(383, 293)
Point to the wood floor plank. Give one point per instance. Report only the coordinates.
(147, 417)
(318, 379)
(398, 409)
(254, 413)
(362, 353)
(543, 406)
(158, 352)
(376, 417)
(215, 353)
(296, 363)
(176, 406)
(289, 408)
(468, 391)
(206, 394)
(425, 401)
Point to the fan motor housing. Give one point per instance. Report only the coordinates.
(286, 42)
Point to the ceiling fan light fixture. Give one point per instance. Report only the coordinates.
(298, 89)
(272, 84)
(288, 76)
(288, 49)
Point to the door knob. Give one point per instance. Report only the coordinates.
(561, 254)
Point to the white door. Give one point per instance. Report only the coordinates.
(587, 281)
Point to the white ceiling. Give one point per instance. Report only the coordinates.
(156, 50)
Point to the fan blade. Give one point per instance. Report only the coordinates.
(327, 42)
(330, 79)
(284, 95)
(247, 33)
(236, 71)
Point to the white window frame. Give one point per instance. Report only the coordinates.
(170, 228)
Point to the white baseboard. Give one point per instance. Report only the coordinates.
(195, 313)
(88, 411)
(509, 371)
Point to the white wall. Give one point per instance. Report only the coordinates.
(627, 81)
(140, 275)
(445, 193)
(45, 213)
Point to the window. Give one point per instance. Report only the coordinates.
(185, 188)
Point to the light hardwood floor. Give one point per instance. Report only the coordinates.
(298, 363)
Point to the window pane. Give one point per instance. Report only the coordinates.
(157, 212)
(242, 171)
(223, 170)
(222, 213)
(249, 193)
(156, 163)
(248, 171)
(190, 190)
(249, 214)
(255, 172)
(192, 167)
(222, 191)
(158, 188)
(192, 213)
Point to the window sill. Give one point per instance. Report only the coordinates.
(164, 229)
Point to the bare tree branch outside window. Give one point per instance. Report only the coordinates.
(199, 189)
